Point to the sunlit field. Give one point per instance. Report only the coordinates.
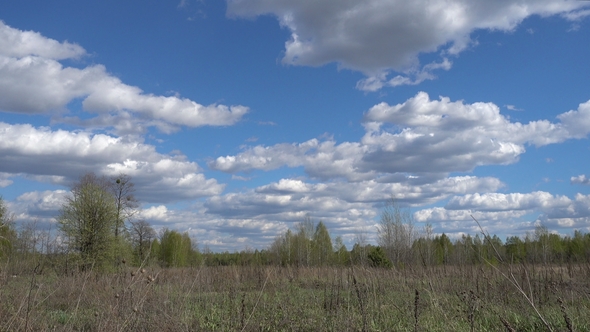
(269, 298)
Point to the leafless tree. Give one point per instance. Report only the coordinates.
(126, 204)
(142, 235)
(396, 233)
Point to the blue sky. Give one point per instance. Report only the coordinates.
(238, 118)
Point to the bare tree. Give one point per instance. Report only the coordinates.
(303, 240)
(396, 233)
(126, 204)
(424, 245)
(142, 235)
(541, 237)
(360, 248)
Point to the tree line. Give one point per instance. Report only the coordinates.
(401, 244)
(98, 229)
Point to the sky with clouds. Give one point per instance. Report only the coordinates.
(237, 119)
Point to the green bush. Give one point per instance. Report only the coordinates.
(378, 258)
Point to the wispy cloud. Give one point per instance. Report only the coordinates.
(514, 108)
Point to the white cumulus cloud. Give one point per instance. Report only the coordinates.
(291, 199)
(16, 43)
(502, 213)
(64, 155)
(508, 202)
(377, 37)
(32, 80)
(5, 179)
(580, 179)
(420, 136)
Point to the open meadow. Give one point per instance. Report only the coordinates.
(272, 298)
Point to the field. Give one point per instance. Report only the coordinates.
(270, 298)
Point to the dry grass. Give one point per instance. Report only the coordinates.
(462, 298)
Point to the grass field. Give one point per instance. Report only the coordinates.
(458, 298)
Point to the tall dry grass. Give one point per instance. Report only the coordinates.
(459, 298)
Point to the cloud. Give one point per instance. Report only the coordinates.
(513, 108)
(441, 214)
(5, 179)
(412, 77)
(291, 199)
(41, 208)
(419, 136)
(349, 209)
(32, 81)
(579, 207)
(508, 202)
(240, 178)
(159, 212)
(42, 203)
(65, 155)
(321, 159)
(502, 213)
(377, 37)
(577, 123)
(38, 207)
(212, 231)
(182, 3)
(16, 43)
(577, 15)
(407, 152)
(267, 123)
(580, 179)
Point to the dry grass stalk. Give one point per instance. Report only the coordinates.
(507, 325)
(256, 304)
(416, 312)
(568, 321)
(361, 300)
(29, 296)
(512, 279)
